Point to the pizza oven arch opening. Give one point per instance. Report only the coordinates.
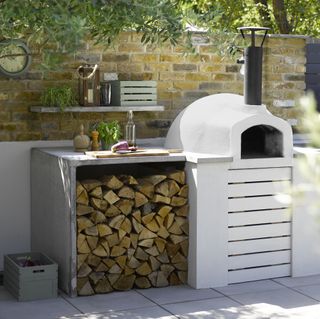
(261, 141)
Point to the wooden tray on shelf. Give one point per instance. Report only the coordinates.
(138, 152)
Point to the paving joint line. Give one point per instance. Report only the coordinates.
(223, 294)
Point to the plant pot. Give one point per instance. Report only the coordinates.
(106, 146)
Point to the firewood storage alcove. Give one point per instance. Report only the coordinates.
(111, 224)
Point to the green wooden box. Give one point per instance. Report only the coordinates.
(32, 282)
(133, 93)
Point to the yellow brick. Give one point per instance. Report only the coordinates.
(197, 77)
(158, 67)
(130, 67)
(144, 76)
(131, 47)
(186, 85)
(147, 58)
(212, 68)
(223, 77)
(174, 58)
(165, 76)
(296, 42)
(169, 95)
(4, 96)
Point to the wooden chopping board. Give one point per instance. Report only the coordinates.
(138, 152)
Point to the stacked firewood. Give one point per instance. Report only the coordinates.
(132, 232)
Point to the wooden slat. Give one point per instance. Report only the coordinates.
(255, 203)
(133, 103)
(259, 273)
(141, 90)
(258, 245)
(135, 97)
(259, 174)
(137, 83)
(259, 217)
(261, 231)
(259, 259)
(255, 189)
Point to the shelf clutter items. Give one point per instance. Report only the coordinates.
(94, 92)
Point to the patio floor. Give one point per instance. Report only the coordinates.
(278, 298)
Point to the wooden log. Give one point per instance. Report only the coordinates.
(163, 188)
(153, 251)
(121, 234)
(160, 221)
(102, 267)
(137, 215)
(174, 279)
(181, 266)
(84, 210)
(142, 282)
(125, 242)
(172, 249)
(161, 199)
(184, 247)
(144, 269)
(92, 242)
(147, 208)
(163, 232)
(112, 182)
(104, 230)
(185, 228)
(112, 211)
(134, 240)
(153, 226)
(84, 270)
(86, 290)
(125, 205)
(137, 226)
(93, 260)
(97, 217)
(164, 211)
(174, 188)
(103, 286)
(167, 269)
(128, 271)
(105, 244)
(79, 189)
(140, 254)
(83, 223)
(155, 179)
(92, 231)
(128, 179)
(83, 198)
(178, 175)
(160, 243)
(121, 261)
(146, 234)
(99, 204)
(100, 251)
(178, 258)
(124, 282)
(80, 239)
(168, 221)
(146, 242)
(108, 262)
(153, 278)
(84, 248)
(182, 211)
(184, 191)
(126, 225)
(112, 278)
(117, 251)
(175, 229)
(178, 201)
(90, 184)
(81, 258)
(115, 269)
(111, 197)
(133, 263)
(176, 239)
(96, 192)
(183, 276)
(116, 222)
(139, 199)
(145, 187)
(180, 220)
(96, 276)
(126, 192)
(162, 280)
(154, 263)
(163, 258)
(147, 218)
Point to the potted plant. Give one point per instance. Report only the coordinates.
(109, 133)
(60, 97)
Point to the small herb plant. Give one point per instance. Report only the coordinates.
(109, 132)
(59, 97)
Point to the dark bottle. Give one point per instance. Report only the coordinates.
(131, 130)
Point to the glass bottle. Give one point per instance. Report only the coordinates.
(130, 130)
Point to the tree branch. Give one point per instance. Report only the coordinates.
(280, 14)
(264, 12)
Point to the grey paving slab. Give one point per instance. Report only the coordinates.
(141, 313)
(111, 302)
(299, 281)
(312, 291)
(178, 294)
(284, 297)
(249, 287)
(210, 308)
(308, 312)
(54, 308)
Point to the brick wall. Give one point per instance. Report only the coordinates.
(181, 80)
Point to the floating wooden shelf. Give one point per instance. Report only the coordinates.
(95, 109)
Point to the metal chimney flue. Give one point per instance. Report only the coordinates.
(253, 66)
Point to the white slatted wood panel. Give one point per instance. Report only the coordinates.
(258, 245)
(260, 231)
(259, 217)
(260, 174)
(256, 189)
(261, 259)
(255, 203)
(259, 273)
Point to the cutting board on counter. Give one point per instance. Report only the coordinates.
(138, 152)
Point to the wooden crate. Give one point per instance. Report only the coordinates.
(30, 283)
(133, 93)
